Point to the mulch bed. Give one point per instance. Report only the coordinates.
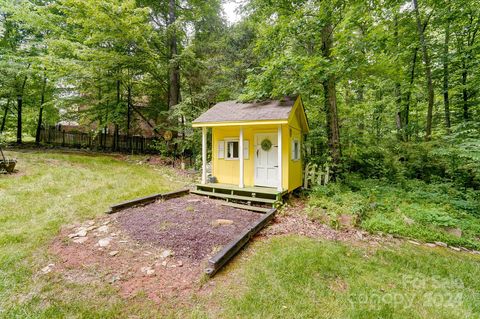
(191, 226)
(135, 261)
(160, 249)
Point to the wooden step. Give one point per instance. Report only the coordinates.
(259, 190)
(235, 197)
(247, 207)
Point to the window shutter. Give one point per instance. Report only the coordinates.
(221, 149)
(246, 149)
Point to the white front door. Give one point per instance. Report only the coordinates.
(266, 162)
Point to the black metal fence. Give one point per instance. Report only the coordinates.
(98, 141)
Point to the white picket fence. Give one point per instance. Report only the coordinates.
(315, 175)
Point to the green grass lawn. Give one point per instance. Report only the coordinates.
(54, 189)
(296, 277)
(282, 277)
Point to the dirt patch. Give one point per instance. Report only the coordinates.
(15, 173)
(192, 226)
(292, 220)
(160, 249)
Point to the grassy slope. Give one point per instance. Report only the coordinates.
(294, 277)
(283, 277)
(383, 207)
(52, 190)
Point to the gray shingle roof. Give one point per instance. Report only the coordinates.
(233, 111)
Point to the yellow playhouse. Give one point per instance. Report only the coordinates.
(256, 148)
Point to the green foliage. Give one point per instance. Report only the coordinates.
(380, 206)
(453, 159)
(373, 162)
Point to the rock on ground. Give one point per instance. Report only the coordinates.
(47, 268)
(79, 240)
(103, 229)
(81, 232)
(166, 253)
(222, 222)
(457, 232)
(104, 242)
(148, 271)
(441, 244)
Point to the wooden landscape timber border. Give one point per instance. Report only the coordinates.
(228, 252)
(231, 249)
(147, 200)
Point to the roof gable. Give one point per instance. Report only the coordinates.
(233, 111)
(299, 112)
(283, 111)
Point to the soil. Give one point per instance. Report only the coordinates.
(162, 249)
(159, 249)
(292, 220)
(186, 225)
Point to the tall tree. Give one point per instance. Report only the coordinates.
(4, 118)
(466, 38)
(428, 70)
(174, 68)
(330, 92)
(20, 93)
(40, 112)
(446, 75)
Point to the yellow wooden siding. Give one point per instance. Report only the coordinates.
(295, 168)
(227, 171)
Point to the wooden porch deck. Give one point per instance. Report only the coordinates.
(251, 198)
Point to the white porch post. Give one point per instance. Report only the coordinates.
(204, 155)
(279, 151)
(241, 183)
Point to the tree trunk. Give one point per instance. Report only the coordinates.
(329, 86)
(40, 113)
(406, 115)
(115, 138)
(129, 114)
(19, 109)
(174, 70)
(464, 90)
(115, 133)
(397, 89)
(470, 36)
(361, 99)
(446, 99)
(428, 71)
(4, 119)
(19, 118)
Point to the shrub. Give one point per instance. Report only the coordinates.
(373, 162)
(411, 208)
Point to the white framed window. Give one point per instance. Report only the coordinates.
(295, 149)
(232, 149)
(229, 149)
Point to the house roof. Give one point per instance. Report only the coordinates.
(233, 111)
